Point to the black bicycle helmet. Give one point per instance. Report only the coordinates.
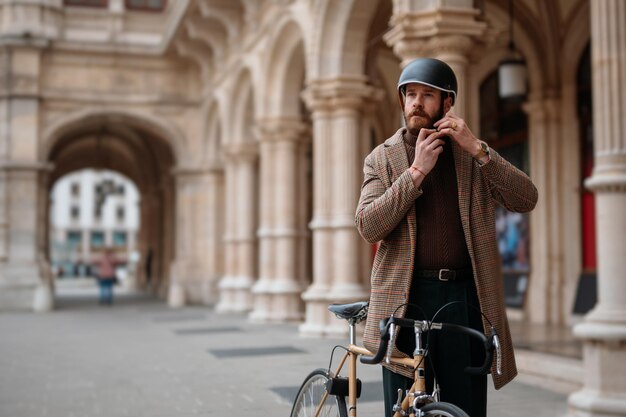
(431, 72)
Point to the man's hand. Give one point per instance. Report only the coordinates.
(455, 127)
(427, 150)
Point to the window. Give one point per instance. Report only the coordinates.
(120, 213)
(75, 212)
(96, 239)
(74, 238)
(75, 189)
(119, 239)
(89, 3)
(150, 5)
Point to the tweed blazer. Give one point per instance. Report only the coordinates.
(386, 213)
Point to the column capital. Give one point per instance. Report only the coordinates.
(9, 165)
(241, 151)
(282, 129)
(543, 108)
(416, 33)
(197, 171)
(340, 93)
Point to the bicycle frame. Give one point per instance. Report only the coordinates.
(353, 352)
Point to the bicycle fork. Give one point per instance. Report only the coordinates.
(418, 390)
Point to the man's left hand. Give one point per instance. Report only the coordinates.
(455, 127)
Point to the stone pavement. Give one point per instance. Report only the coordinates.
(139, 358)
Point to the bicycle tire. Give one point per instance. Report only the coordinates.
(311, 393)
(442, 409)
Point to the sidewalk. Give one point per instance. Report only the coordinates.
(140, 358)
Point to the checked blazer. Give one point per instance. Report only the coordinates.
(386, 213)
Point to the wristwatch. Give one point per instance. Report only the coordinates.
(483, 149)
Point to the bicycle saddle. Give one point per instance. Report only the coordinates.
(350, 311)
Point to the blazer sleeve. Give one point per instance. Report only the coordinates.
(508, 185)
(381, 208)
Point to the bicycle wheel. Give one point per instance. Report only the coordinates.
(312, 393)
(442, 409)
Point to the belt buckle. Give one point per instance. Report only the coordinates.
(442, 277)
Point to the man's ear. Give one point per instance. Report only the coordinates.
(447, 104)
(401, 100)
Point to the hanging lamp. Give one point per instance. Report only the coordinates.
(512, 69)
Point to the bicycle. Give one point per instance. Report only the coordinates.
(323, 393)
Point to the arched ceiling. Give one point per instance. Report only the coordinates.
(134, 152)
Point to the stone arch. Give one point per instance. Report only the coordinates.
(242, 106)
(525, 42)
(576, 38)
(339, 37)
(156, 127)
(136, 145)
(284, 71)
(213, 138)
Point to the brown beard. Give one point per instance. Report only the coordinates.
(428, 124)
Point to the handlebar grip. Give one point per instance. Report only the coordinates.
(483, 369)
(382, 347)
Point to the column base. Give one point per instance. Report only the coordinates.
(235, 294)
(262, 301)
(591, 403)
(604, 367)
(176, 295)
(43, 299)
(18, 287)
(321, 322)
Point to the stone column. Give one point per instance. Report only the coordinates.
(547, 285)
(21, 282)
(198, 213)
(280, 232)
(241, 237)
(337, 106)
(604, 328)
(227, 284)
(262, 304)
(315, 297)
(214, 229)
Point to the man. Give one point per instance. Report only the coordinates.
(106, 276)
(429, 197)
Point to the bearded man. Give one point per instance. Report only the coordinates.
(429, 196)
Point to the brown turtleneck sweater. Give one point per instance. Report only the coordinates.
(440, 239)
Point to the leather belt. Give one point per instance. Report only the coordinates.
(444, 274)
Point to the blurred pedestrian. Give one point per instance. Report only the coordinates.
(106, 276)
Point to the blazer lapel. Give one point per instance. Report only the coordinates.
(398, 164)
(463, 164)
(396, 155)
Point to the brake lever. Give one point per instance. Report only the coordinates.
(392, 341)
(496, 344)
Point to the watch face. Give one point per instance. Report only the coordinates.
(484, 147)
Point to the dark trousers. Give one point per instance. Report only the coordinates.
(106, 290)
(449, 353)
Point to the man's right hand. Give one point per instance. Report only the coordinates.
(428, 147)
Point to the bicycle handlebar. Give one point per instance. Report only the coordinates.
(384, 337)
(489, 343)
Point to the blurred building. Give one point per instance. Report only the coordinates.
(244, 125)
(91, 210)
